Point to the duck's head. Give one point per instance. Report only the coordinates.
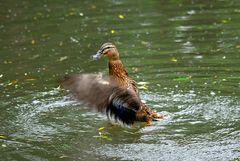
(109, 50)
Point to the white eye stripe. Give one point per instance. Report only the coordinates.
(107, 45)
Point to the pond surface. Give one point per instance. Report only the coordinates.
(185, 53)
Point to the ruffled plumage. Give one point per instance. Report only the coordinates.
(117, 96)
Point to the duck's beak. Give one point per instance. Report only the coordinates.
(98, 55)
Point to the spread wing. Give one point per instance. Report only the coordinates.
(134, 86)
(120, 105)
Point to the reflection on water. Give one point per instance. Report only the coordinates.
(185, 53)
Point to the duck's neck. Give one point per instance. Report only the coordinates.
(117, 73)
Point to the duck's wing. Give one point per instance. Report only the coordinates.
(134, 86)
(123, 106)
(89, 89)
(120, 105)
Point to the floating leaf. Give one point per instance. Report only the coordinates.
(81, 14)
(145, 43)
(4, 145)
(224, 21)
(63, 156)
(13, 82)
(233, 77)
(2, 137)
(101, 128)
(45, 35)
(7, 62)
(143, 83)
(142, 87)
(60, 43)
(30, 79)
(93, 6)
(113, 31)
(128, 132)
(238, 46)
(103, 137)
(62, 58)
(106, 137)
(174, 60)
(35, 56)
(182, 78)
(121, 16)
(74, 40)
(33, 42)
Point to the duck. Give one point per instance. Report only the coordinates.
(115, 95)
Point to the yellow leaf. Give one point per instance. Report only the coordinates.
(113, 31)
(121, 16)
(143, 87)
(2, 137)
(13, 82)
(33, 42)
(106, 137)
(174, 60)
(30, 79)
(224, 21)
(101, 128)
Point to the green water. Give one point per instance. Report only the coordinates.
(187, 52)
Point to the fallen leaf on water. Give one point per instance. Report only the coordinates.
(71, 13)
(143, 87)
(63, 156)
(121, 16)
(33, 42)
(60, 43)
(45, 35)
(30, 79)
(93, 6)
(74, 40)
(4, 145)
(182, 78)
(43, 114)
(35, 56)
(113, 31)
(135, 69)
(2, 137)
(142, 83)
(103, 137)
(145, 42)
(62, 58)
(7, 62)
(174, 60)
(106, 137)
(238, 46)
(101, 128)
(81, 14)
(13, 82)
